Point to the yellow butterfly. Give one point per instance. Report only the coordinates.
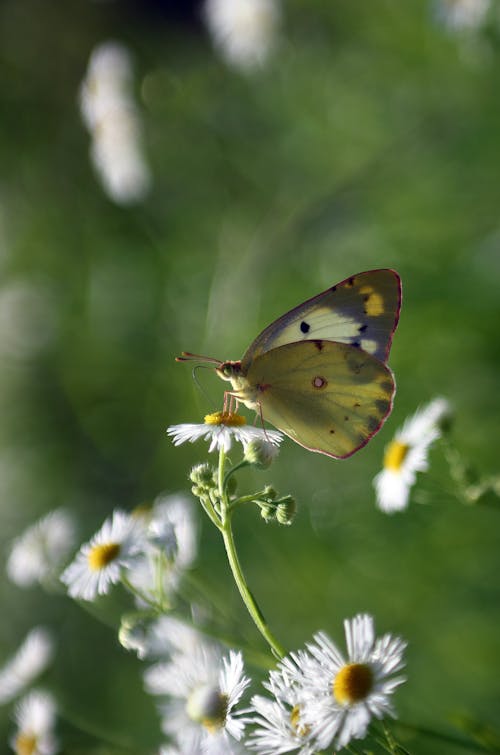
(319, 372)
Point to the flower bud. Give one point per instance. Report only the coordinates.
(202, 475)
(261, 453)
(286, 510)
(267, 511)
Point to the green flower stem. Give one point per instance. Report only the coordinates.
(210, 511)
(140, 594)
(243, 463)
(247, 597)
(160, 564)
(252, 498)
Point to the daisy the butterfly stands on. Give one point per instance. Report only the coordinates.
(319, 372)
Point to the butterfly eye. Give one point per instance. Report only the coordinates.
(228, 369)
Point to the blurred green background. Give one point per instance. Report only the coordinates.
(370, 138)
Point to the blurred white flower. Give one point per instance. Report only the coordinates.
(31, 659)
(35, 719)
(203, 690)
(100, 563)
(28, 318)
(110, 114)
(462, 15)
(39, 553)
(407, 454)
(244, 31)
(220, 428)
(171, 537)
(158, 639)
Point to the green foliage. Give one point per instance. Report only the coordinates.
(370, 139)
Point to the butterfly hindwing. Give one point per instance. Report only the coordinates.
(362, 311)
(329, 397)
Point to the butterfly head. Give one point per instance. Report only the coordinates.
(229, 370)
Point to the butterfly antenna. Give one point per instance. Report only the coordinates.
(186, 356)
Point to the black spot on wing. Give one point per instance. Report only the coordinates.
(387, 385)
(382, 406)
(362, 328)
(305, 327)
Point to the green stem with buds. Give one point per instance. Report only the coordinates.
(246, 595)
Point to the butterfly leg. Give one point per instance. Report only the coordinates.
(231, 403)
(258, 414)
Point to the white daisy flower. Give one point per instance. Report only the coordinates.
(35, 718)
(278, 726)
(244, 31)
(407, 454)
(100, 563)
(339, 696)
(171, 536)
(220, 429)
(38, 554)
(30, 661)
(204, 690)
(110, 114)
(158, 639)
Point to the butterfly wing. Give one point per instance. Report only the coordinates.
(329, 397)
(362, 311)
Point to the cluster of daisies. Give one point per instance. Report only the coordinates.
(35, 708)
(317, 697)
(147, 551)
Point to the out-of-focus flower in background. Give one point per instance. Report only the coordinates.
(462, 15)
(101, 562)
(108, 110)
(31, 659)
(202, 690)
(407, 454)
(38, 554)
(244, 31)
(28, 318)
(35, 718)
(171, 545)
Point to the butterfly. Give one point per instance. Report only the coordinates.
(318, 373)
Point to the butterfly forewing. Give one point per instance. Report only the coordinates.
(329, 397)
(362, 311)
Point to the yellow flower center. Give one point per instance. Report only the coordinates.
(208, 707)
(297, 726)
(26, 744)
(352, 683)
(102, 555)
(230, 419)
(395, 455)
